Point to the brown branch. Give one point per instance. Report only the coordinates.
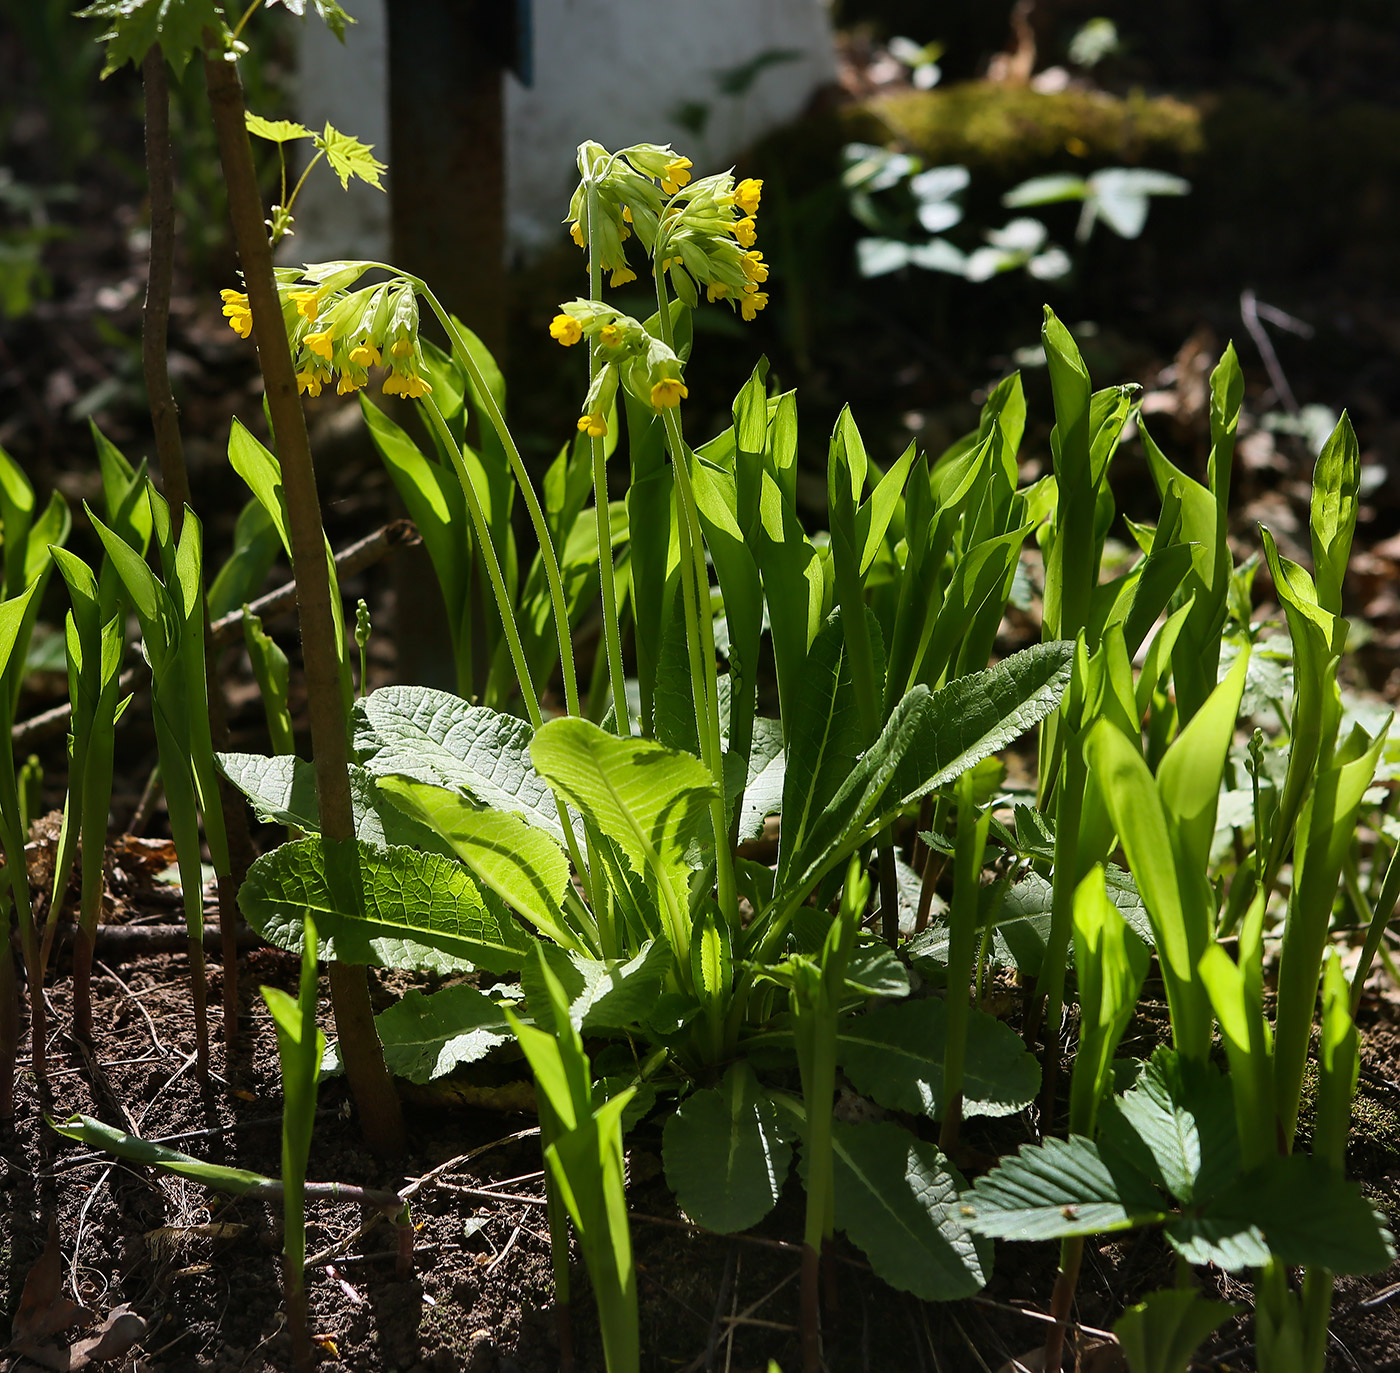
(381, 1116)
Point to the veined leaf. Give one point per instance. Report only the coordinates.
(349, 157)
(895, 1054)
(929, 740)
(282, 788)
(725, 1155)
(391, 908)
(1054, 1190)
(897, 1198)
(601, 994)
(435, 737)
(137, 25)
(275, 130)
(648, 799)
(524, 866)
(426, 1036)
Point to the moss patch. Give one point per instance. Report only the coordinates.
(1013, 129)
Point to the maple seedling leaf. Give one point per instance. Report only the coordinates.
(349, 157)
(135, 25)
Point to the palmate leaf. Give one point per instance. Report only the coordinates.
(390, 908)
(330, 11)
(726, 1157)
(349, 157)
(177, 25)
(895, 1055)
(436, 737)
(426, 1036)
(275, 130)
(897, 1198)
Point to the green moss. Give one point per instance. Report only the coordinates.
(1015, 130)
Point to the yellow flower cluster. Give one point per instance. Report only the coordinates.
(644, 365)
(700, 232)
(334, 329)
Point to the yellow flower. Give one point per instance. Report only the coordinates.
(236, 311)
(365, 355)
(667, 392)
(675, 174)
(402, 347)
(309, 382)
(754, 266)
(745, 230)
(307, 303)
(320, 344)
(716, 290)
(576, 233)
(747, 195)
(349, 382)
(566, 329)
(595, 426)
(627, 213)
(409, 385)
(610, 336)
(622, 275)
(750, 305)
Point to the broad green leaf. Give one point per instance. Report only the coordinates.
(235, 1181)
(726, 1159)
(255, 547)
(1176, 1125)
(426, 1036)
(349, 157)
(1161, 1333)
(275, 130)
(282, 789)
(649, 800)
(929, 740)
(601, 994)
(1309, 1214)
(897, 1199)
(523, 865)
(436, 737)
(895, 1054)
(1054, 1190)
(391, 908)
(1335, 493)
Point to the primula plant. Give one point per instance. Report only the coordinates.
(585, 882)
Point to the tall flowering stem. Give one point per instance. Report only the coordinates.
(612, 633)
(700, 630)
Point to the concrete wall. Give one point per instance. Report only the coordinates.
(618, 71)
